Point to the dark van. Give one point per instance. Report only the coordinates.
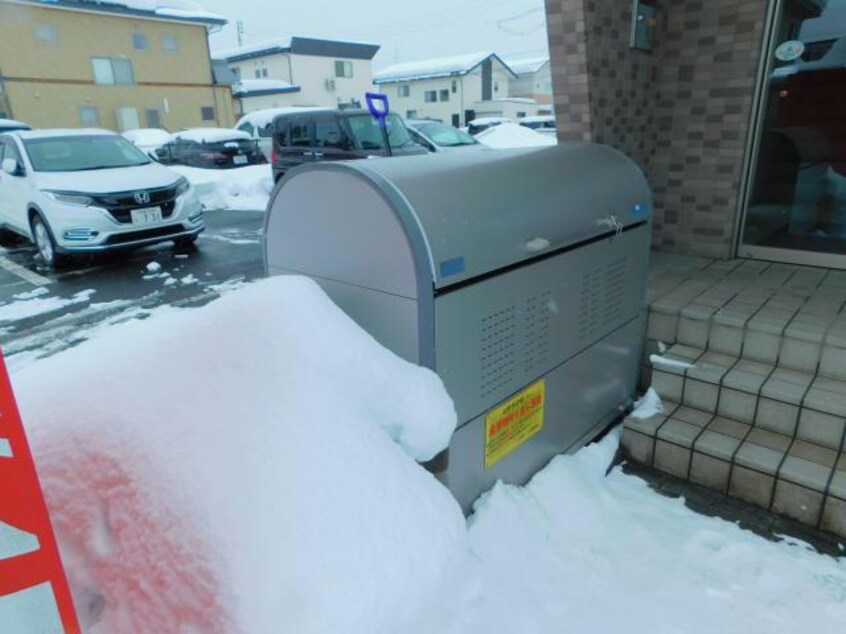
(335, 135)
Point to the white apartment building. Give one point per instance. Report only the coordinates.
(300, 71)
(533, 81)
(454, 90)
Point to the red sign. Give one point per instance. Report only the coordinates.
(34, 593)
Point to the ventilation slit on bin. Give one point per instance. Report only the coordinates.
(498, 350)
(616, 277)
(590, 304)
(536, 332)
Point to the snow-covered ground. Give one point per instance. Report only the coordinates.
(245, 188)
(249, 466)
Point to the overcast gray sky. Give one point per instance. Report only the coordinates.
(406, 29)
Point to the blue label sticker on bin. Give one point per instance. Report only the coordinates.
(639, 211)
(452, 267)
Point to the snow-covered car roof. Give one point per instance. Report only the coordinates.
(261, 118)
(147, 137)
(490, 120)
(63, 132)
(11, 124)
(211, 135)
(511, 135)
(541, 118)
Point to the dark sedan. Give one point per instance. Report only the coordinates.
(214, 148)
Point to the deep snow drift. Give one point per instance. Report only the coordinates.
(242, 188)
(246, 467)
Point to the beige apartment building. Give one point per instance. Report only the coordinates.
(76, 63)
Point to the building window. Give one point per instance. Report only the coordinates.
(237, 72)
(454, 86)
(404, 90)
(207, 113)
(170, 44)
(112, 71)
(140, 42)
(89, 117)
(154, 118)
(445, 95)
(343, 69)
(258, 73)
(430, 96)
(410, 114)
(264, 72)
(47, 34)
(496, 86)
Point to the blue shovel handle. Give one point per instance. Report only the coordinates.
(377, 104)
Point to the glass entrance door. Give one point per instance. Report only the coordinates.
(796, 200)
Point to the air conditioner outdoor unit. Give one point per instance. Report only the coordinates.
(330, 84)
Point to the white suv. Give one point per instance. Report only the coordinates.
(76, 191)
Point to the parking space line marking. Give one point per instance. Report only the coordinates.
(24, 273)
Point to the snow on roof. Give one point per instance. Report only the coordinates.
(262, 118)
(211, 135)
(281, 45)
(249, 86)
(511, 135)
(184, 10)
(439, 67)
(527, 66)
(541, 118)
(260, 47)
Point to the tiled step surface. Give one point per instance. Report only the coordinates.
(751, 357)
(790, 402)
(789, 476)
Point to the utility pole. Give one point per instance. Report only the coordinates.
(240, 28)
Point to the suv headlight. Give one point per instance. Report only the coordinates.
(182, 186)
(69, 198)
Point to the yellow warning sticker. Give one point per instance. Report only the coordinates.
(513, 423)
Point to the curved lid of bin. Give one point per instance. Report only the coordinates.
(480, 212)
(485, 211)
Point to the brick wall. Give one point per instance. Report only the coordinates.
(681, 111)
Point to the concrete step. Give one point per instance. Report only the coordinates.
(777, 314)
(797, 404)
(778, 472)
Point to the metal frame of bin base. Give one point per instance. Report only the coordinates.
(519, 276)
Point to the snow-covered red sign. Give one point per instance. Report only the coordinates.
(34, 594)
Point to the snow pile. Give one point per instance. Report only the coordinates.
(575, 551)
(511, 135)
(264, 482)
(648, 405)
(33, 303)
(245, 188)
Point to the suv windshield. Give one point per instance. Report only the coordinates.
(366, 134)
(446, 136)
(80, 153)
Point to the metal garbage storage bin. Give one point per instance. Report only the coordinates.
(519, 276)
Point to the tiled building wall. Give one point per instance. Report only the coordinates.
(681, 111)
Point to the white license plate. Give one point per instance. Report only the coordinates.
(146, 216)
(239, 160)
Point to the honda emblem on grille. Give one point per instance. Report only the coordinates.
(142, 198)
